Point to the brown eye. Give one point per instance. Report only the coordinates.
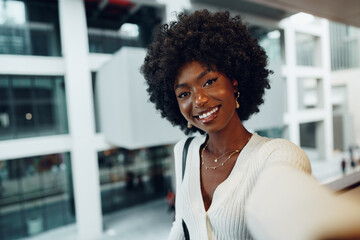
(182, 95)
(210, 82)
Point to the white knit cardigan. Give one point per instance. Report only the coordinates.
(225, 218)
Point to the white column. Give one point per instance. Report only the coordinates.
(328, 120)
(174, 7)
(85, 169)
(292, 92)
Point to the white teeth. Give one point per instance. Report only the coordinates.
(202, 116)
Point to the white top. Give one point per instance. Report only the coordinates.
(225, 218)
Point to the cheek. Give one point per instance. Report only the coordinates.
(225, 94)
(184, 108)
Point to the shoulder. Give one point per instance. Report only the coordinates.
(283, 151)
(179, 146)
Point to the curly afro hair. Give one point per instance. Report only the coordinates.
(212, 39)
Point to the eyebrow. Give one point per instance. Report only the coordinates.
(202, 74)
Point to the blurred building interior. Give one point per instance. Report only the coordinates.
(73, 142)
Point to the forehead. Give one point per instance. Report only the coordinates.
(191, 71)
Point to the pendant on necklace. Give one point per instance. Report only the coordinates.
(215, 160)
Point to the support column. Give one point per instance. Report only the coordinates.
(85, 169)
(292, 86)
(328, 121)
(173, 8)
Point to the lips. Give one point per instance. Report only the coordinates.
(208, 115)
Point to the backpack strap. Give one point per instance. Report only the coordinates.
(184, 155)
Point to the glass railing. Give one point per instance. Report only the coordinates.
(36, 195)
(39, 39)
(131, 177)
(32, 106)
(110, 41)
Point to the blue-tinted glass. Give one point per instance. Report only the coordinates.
(24, 116)
(43, 88)
(22, 89)
(36, 195)
(34, 106)
(60, 110)
(4, 89)
(132, 177)
(29, 29)
(5, 120)
(45, 115)
(308, 135)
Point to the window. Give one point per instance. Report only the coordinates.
(344, 46)
(130, 177)
(120, 24)
(310, 93)
(307, 50)
(29, 28)
(36, 195)
(32, 106)
(311, 139)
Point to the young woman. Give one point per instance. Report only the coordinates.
(206, 74)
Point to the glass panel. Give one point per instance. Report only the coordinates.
(32, 181)
(9, 183)
(43, 88)
(308, 50)
(132, 177)
(344, 46)
(4, 89)
(310, 93)
(22, 89)
(12, 222)
(307, 136)
(311, 135)
(4, 118)
(130, 28)
(45, 115)
(24, 116)
(271, 132)
(36, 194)
(34, 217)
(41, 41)
(271, 42)
(5, 126)
(60, 110)
(31, 29)
(34, 106)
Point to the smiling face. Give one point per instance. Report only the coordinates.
(206, 97)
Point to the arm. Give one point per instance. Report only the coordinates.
(288, 203)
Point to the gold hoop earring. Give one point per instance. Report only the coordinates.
(237, 100)
(189, 125)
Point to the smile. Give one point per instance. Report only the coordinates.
(209, 115)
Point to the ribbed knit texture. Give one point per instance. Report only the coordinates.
(226, 218)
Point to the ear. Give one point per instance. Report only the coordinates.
(235, 85)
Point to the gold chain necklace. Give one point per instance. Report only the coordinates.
(217, 158)
(223, 163)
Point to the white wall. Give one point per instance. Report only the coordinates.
(127, 118)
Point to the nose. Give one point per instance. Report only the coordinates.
(201, 99)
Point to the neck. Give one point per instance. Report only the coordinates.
(235, 136)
